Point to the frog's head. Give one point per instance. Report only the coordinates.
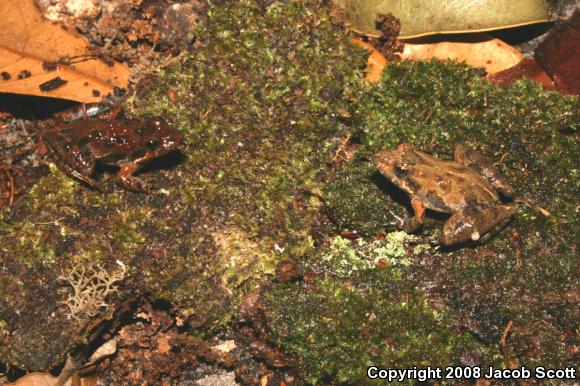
(393, 163)
(159, 138)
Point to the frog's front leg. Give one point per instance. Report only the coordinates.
(126, 179)
(412, 224)
(476, 223)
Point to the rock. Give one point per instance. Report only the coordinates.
(559, 54)
(527, 68)
(69, 9)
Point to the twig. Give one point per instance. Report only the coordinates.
(503, 342)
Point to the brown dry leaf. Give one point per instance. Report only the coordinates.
(527, 68)
(91, 380)
(478, 50)
(375, 62)
(163, 345)
(27, 41)
(106, 349)
(37, 379)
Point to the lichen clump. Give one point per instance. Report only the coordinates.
(344, 257)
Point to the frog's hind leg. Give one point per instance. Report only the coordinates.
(86, 179)
(476, 224)
(88, 165)
(484, 166)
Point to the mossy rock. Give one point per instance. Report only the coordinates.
(257, 102)
(531, 134)
(338, 330)
(371, 305)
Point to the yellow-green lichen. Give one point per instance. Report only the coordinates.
(344, 256)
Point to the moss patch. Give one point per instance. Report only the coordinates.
(338, 329)
(258, 103)
(527, 273)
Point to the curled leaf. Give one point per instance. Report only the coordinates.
(40, 57)
(419, 17)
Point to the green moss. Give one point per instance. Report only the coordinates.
(54, 191)
(257, 102)
(338, 330)
(258, 105)
(357, 204)
(531, 134)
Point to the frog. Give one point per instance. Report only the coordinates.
(77, 147)
(469, 188)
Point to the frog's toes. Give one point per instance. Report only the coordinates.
(399, 221)
(131, 183)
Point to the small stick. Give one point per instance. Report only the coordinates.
(503, 342)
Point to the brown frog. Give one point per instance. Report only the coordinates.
(77, 147)
(466, 187)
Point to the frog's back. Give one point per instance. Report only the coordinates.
(447, 186)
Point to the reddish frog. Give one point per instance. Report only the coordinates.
(466, 187)
(77, 147)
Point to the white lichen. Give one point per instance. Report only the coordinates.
(90, 288)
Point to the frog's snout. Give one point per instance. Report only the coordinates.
(379, 159)
(382, 160)
(173, 141)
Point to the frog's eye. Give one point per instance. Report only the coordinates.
(400, 170)
(152, 144)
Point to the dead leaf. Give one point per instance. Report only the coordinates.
(37, 379)
(40, 57)
(559, 54)
(106, 349)
(480, 50)
(375, 62)
(163, 345)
